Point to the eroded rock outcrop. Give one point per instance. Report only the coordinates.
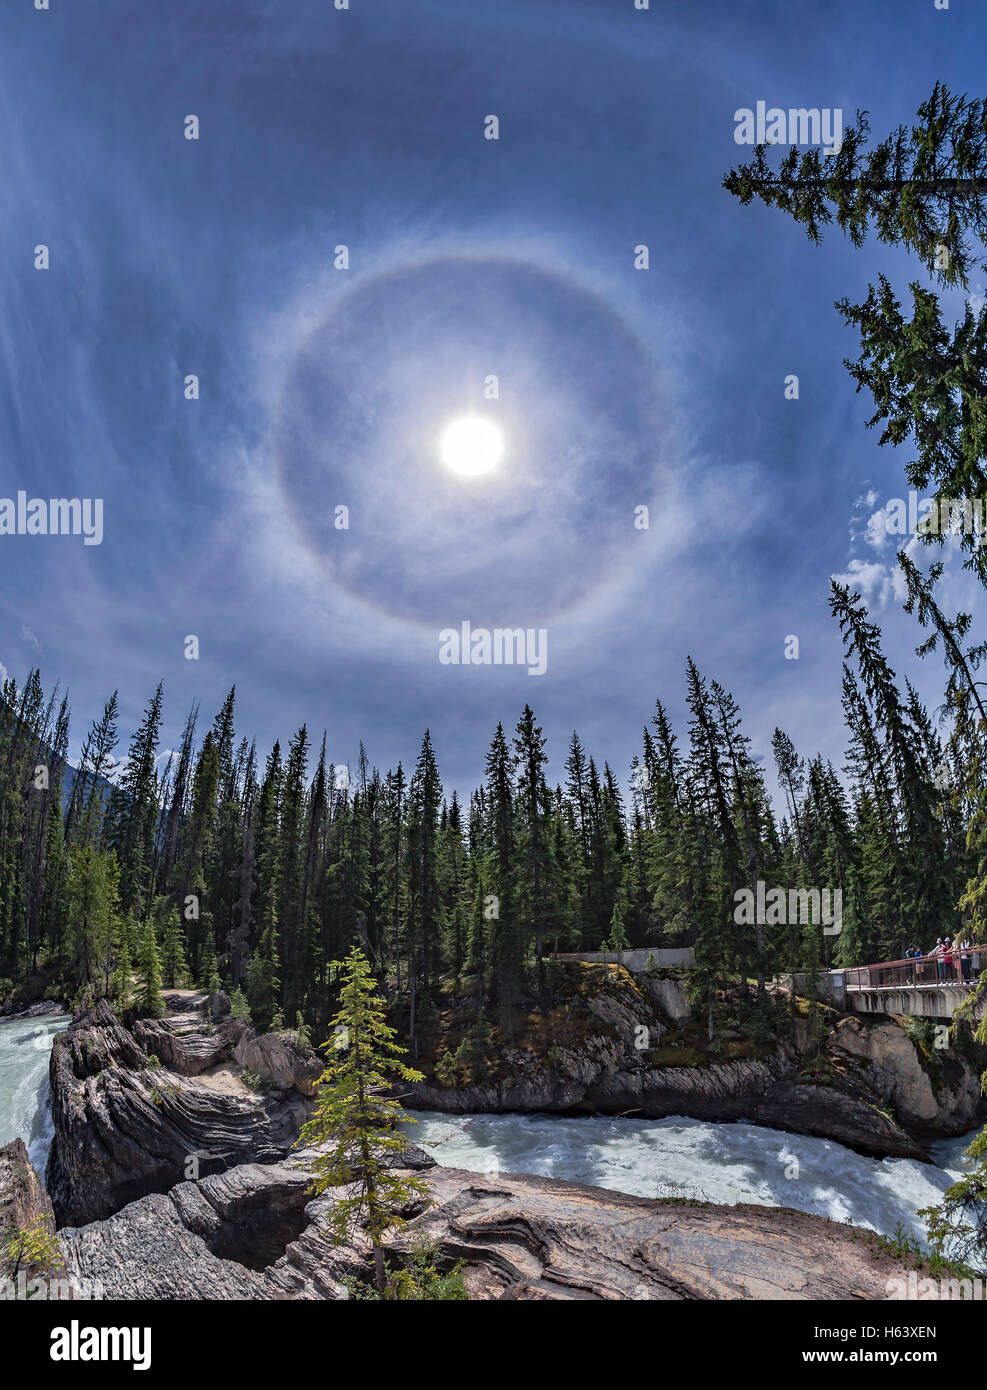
(189, 1050)
(668, 992)
(125, 1128)
(520, 1237)
(219, 1005)
(944, 1099)
(281, 1059)
(27, 1222)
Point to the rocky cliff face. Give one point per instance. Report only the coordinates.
(940, 1100)
(188, 1047)
(125, 1127)
(25, 1211)
(868, 1087)
(256, 1233)
(281, 1059)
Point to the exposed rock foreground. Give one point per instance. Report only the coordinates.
(25, 1208)
(521, 1237)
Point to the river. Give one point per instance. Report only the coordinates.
(24, 1109)
(679, 1157)
(675, 1157)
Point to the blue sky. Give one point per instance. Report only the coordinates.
(468, 257)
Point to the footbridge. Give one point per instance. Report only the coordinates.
(926, 986)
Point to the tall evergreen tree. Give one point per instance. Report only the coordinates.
(356, 1123)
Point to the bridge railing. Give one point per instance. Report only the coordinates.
(933, 971)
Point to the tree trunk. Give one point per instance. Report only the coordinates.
(924, 187)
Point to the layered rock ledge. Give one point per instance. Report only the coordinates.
(137, 1112)
(256, 1233)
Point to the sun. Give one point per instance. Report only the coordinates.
(471, 446)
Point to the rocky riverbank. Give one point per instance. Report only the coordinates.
(256, 1232)
(138, 1110)
(42, 1009)
(869, 1085)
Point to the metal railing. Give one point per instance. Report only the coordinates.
(920, 972)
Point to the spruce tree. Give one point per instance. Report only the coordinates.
(923, 189)
(507, 941)
(537, 890)
(174, 969)
(356, 1124)
(239, 1008)
(924, 890)
(424, 923)
(127, 937)
(92, 906)
(132, 813)
(148, 999)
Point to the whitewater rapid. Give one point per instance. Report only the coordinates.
(25, 1112)
(718, 1162)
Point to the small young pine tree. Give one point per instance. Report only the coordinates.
(122, 977)
(149, 1001)
(207, 961)
(174, 969)
(473, 1054)
(263, 982)
(617, 939)
(239, 1008)
(447, 1070)
(355, 1123)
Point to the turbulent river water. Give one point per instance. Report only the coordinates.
(649, 1158)
(678, 1157)
(24, 1110)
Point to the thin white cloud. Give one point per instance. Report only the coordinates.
(874, 581)
(876, 531)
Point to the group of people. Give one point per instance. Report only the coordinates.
(944, 953)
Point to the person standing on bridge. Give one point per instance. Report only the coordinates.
(947, 959)
(914, 970)
(936, 954)
(966, 950)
